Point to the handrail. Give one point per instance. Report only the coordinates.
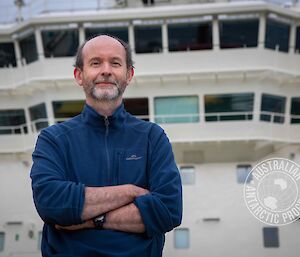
(23, 129)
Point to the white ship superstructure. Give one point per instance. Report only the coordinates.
(221, 78)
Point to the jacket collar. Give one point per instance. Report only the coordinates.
(92, 117)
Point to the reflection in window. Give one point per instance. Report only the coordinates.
(277, 35)
(119, 32)
(39, 243)
(297, 47)
(12, 121)
(7, 55)
(181, 238)
(58, 43)
(187, 175)
(238, 33)
(295, 110)
(176, 109)
(38, 116)
(272, 108)
(28, 49)
(67, 109)
(238, 106)
(137, 107)
(271, 237)
(148, 39)
(242, 173)
(2, 241)
(189, 36)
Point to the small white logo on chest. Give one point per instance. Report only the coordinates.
(133, 157)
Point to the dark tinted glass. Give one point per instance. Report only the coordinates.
(223, 103)
(119, 32)
(67, 109)
(137, 107)
(7, 55)
(148, 39)
(38, 115)
(59, 43)
(271, 104)
(277, 35)
(28, 49)
(14, 120)
(238, 33)
(297, 47)
(295, 110)
(271, 238)
(192, 36)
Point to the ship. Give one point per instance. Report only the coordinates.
(222, 78)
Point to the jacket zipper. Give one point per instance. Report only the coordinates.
(106, 122)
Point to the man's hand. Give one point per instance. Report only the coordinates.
(87, 224)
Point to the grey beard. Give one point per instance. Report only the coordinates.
(107, 97)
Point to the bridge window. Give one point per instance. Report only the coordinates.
(297, 47)
(12, 121)
(295, 110)
(38, 116)
(137, 107)
(272, 108)
(187, 175)
(176, 109)
(29, 49)
(277, 35)
(242, 173)
(7, 55)
(185, 36)
(238, 33)
(224, 107)
(120, 32)
(59, 43)
(67, 109)
(148, 38)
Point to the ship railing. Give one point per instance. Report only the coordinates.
(207, 118)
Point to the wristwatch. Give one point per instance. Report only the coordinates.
(99, 221)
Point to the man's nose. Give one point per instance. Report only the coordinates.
(106, 69)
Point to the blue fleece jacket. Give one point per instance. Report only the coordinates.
(87, 151)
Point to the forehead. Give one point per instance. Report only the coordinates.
(103, 47)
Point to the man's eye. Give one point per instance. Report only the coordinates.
(116, 64)
(95, 63)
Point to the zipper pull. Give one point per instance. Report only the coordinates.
(106, 121)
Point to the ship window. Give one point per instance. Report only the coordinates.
(7, 55)
(181, 238)
(272, 108)
(67, 109)
(187, 175)
(39, 242)
(148, 39)
(59, 43)
(277, 35)
(229, 107)
(119, 32)
(242, 173)
(28, 49)
(189, 36)
(295, 110)
(12, 121)
(176, 109)
(137, 107)
(297, 47)
(238, 33)
(38, 116)
(2, 240)
(271, 237)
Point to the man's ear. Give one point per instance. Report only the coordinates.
(130, 74)
(78, 76)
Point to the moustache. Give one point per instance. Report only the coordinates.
(97, 81)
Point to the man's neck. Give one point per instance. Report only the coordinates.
(104, 108)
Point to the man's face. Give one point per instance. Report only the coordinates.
(104, 76)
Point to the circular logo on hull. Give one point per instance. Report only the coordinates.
(272, 195)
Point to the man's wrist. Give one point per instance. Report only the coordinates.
(99, 221)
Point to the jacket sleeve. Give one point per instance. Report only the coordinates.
(161, 209)
(57, 200)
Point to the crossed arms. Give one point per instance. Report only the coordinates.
(116, 202)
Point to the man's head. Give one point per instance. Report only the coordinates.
(103, 68)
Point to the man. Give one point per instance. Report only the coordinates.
(104, 182)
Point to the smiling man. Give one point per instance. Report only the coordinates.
(104, 182)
